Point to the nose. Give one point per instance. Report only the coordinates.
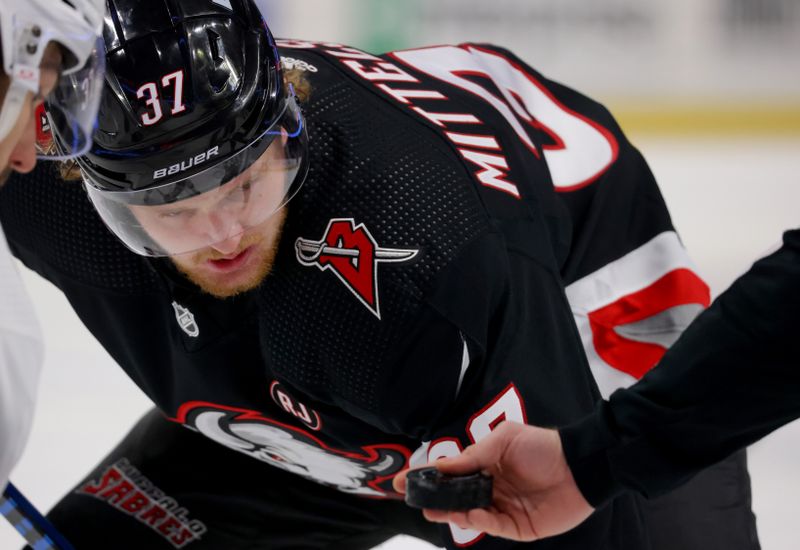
(23, 157)
(228, 246)
(224, 231)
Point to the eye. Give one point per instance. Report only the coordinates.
(175, 214)
(236, 194)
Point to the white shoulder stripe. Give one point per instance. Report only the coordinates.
(631, 273)
(626, 276)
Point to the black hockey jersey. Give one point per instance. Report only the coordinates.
(461, 212)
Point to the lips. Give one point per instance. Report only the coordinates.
(227, 265)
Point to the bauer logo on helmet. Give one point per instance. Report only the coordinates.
(186, 164)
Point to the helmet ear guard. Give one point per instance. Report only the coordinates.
(194, 105)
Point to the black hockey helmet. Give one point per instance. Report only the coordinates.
(198, 136)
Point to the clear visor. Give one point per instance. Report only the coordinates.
(217, 206)
(72, 108)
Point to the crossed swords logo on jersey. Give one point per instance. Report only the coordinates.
(351, 252)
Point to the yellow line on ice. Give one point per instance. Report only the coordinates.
(708, 119)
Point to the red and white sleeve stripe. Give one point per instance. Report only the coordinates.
(630, 311)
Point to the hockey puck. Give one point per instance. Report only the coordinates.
(429, 488)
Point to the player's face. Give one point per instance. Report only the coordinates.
(18, 148)
(237, 265)
(244, 250)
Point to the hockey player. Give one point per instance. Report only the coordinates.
(343, 270)
(48, 46)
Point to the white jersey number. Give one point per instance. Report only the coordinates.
(150, 93)
(506, 406)
(584, 150)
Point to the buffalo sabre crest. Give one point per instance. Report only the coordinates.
(352, 253)
(366, 470)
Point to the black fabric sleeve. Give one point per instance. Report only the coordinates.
(732, 378)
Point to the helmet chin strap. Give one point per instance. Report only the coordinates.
(24, 74)
(12, 106)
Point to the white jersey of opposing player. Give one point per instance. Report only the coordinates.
(21, 356)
